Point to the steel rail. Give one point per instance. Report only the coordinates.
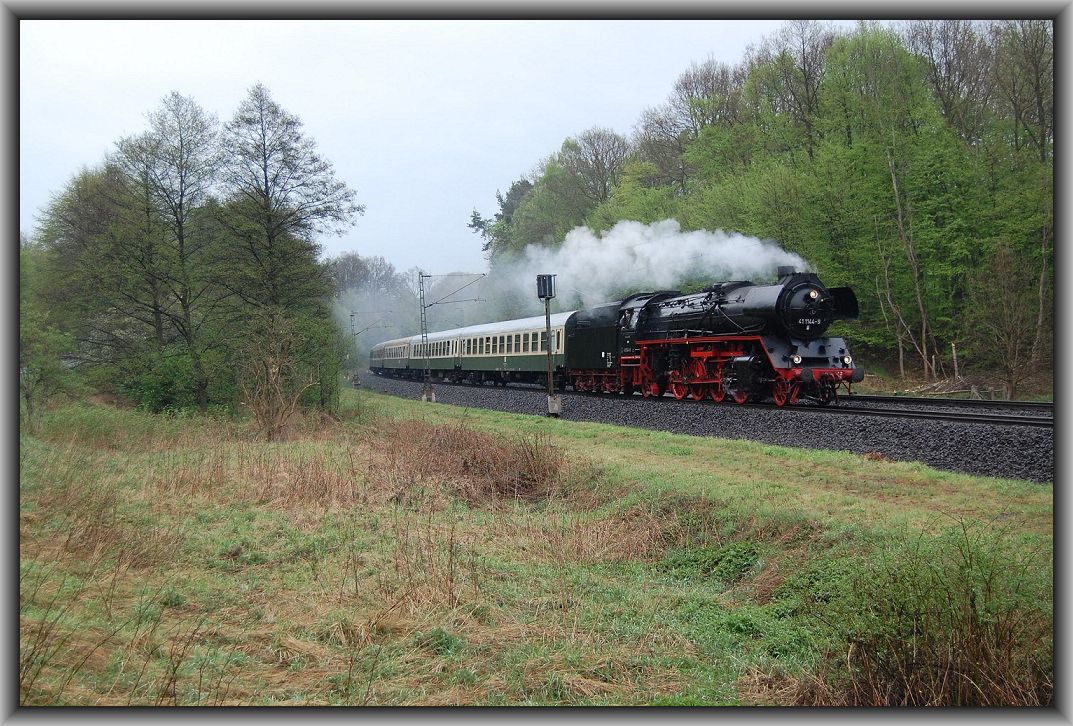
(952, 402)
(969, 418)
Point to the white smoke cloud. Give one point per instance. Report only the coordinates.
(637, 256)
(590, 268)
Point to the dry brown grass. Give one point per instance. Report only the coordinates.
(479, 468)
(356, 542)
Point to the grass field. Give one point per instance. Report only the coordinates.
(425, 554)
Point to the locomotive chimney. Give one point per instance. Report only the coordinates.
(785, 270)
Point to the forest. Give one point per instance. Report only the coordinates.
(912, 161)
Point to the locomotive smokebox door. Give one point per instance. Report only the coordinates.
(545, 287)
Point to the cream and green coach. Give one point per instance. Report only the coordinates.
(512, 350)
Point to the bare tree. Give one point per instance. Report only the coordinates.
(660, 139)
(791, 70)
(595, 158)
(348, 271)
(273, 383)
(706, 94)
(959, 70)
(1024, 71)
(1001, 316)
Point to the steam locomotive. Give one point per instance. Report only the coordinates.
(735, 340)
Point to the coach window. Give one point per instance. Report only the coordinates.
(543, 342)
(517, 343)
(510, 343)
(525, 342)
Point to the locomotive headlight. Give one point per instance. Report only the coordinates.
(795, 359)
(847, 359)
(813, 294)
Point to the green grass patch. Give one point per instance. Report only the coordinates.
(426, 554)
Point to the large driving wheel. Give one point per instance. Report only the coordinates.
(717, 392)
(780, 391)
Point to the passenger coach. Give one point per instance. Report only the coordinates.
(512, 350)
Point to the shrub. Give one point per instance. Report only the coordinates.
(962, 620)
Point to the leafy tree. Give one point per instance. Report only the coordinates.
(43, 371)
(638, 196)
(176, 164)
(497, 232)
(279, 192)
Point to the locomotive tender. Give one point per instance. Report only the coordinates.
(733, 339)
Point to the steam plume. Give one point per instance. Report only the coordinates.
(635, 256)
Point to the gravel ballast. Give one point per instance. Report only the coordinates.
(1017, 452)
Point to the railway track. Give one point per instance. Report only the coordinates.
(969, 417)
(854, 410)
(963, 417)
(1013, 447)
(955, 402)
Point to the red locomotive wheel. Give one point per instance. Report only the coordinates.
(679, 389)
(717, 392)
(740, 397)
(697, 391)
(780, 391)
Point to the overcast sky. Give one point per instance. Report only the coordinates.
(424, 119)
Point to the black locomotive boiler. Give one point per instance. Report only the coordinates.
(734, 340)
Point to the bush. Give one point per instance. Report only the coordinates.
(159, 381)
(962, 620)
